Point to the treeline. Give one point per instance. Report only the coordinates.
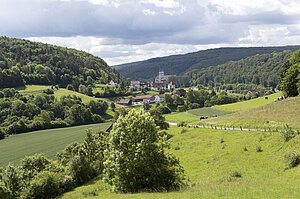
(19, 114)
(181, 64)
(25, 62)
(260, 70)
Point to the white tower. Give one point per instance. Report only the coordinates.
(160, 75)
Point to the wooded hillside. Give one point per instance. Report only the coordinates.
(180, 64)
(25, 62)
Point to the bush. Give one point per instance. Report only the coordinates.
(136, 159)
(258, 149)
(45, 185)
(181, 108)
(293, 159)
(236, 174)
(2, 135)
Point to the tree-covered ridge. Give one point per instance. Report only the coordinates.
(258, 70)
(180, 64)
(26, 62)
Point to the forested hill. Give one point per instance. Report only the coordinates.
(180, 64)
(258, 70)
(26, 62)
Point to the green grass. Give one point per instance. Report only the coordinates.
(31, 89)
(211, 165)
(249, 104)
(273, 116)
(193, 115)
(85, 99)
(48, 142)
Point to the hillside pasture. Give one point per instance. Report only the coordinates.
(48, 142)
(271, 116)
(249, 104)
(221, 170)
(194, 115)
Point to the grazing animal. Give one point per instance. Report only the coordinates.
(275, 100)
(266, 98)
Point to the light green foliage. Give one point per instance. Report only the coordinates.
(12, 180)
(136, 159)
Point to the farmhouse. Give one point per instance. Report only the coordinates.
(113, 83)
(125, 102)
(135, 85)
(159, 98)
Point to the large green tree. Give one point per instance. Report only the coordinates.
(137, 160)
(290, 75)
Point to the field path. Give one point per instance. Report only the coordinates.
(219, 128)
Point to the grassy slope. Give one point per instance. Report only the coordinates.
(194, 115)
(249, 104)
(273, 115)
(48, 142)
(208, 164)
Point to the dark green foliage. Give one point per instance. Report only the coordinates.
(236, 174)
(11, 179)
(180, 64)
(36, 63)
(44, 185)
(19, 114)
(159, 119)
(136, 159)
(258, 149)
(290, 75)
(292, 159)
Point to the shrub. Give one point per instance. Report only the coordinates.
(221, 140)
(2, 135)
(258, 149)
(236, 174)
(245, 148)
(136, 159)
(45, 185)
(293, 159)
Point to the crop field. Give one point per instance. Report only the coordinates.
(231, 169)
(48, 142)
(249, 104)
(274, 115)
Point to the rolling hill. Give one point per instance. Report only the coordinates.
(26, 62)
(180, 64)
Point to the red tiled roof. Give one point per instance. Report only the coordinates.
(142, 97)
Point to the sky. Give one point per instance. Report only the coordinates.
(122, 31)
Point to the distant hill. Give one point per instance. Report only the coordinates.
(26, 62)
(258, 70)
(180, 64)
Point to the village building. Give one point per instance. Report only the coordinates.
(125, 102)
(159, 98)
(250, 92)
(135, 85)
(162, 78)
(112, 83)
(171, 86)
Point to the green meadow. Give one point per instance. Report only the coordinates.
(232, 169)
(48, 142)
(272, 116)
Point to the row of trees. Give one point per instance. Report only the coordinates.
(20, 113)
(132, 158)
(197, 99)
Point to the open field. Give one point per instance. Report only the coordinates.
(48, 142)
(194, 114)
(249, 104)
(209, 164)
(273, 116)
(31, 89)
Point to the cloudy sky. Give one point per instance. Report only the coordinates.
(121, 31)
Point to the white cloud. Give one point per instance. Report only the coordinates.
(129, 30)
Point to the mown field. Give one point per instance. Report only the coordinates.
(274, 116)
(210, 165)
(48, 142)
